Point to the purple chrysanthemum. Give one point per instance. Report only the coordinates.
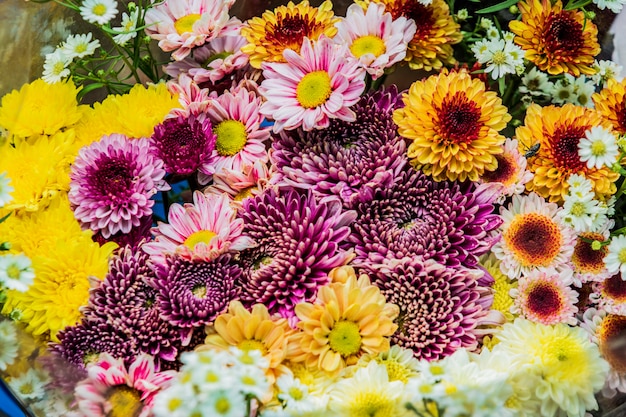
(126, 300)
(297, 245)
(439, 307)
(112, 182)
(451, 223)
(348, 159)
(184, 144)
(193, 293)
(132, 238)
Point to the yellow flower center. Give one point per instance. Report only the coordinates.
(185, 23)
(222, 405)
(598, 148)
(231, 137)
(211, 377)
(58, 68)
(13, 271)
(345, 338)
(251, 344)
(368, 44)
(81, 48)
(199, 291)
(313, 89)
(201, 236)
(502, 301)
(99, 9)
(397, 372)
(125, 402)
(499, 58)
(243, 194)
(578, 209)
(248, 380)
(26, 389)
(622, 256)
(296, 393)
(174, 404)
(371, 404)
(564, 357)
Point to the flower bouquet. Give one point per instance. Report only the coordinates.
(403, 208)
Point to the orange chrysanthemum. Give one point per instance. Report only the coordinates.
(558, 130)
(611, 103)
(431, 46)
(285, 28)
(348, 319)
(556, 40)
(453, 123)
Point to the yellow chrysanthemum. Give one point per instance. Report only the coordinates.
(61, 285)
(285, 28)
(252, 330)
(556, 40)
(134, 114)
(38, 169)
(502, 300)
(558, 130)
(431, 46)
(453, 123)
(40, 108)
(347, 321)
(611, 103)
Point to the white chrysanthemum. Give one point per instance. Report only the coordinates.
(29, 385)
(55, 67)
(16, 272)
(615, 259)
(501, 57)
(579, 185)
(583, 212)
(224, 403)
(563, 91)
(536, 83)
(127, 30)
(8, 346)
(5, 190)
(400, 362)
(562, 365)
(598, 148)
(613, 5)
(573, 90)
(178, 400)
(99, 12)
(79, 46)
(605, 71)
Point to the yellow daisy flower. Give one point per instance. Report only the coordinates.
(453, 123)
(557, 131)
(285, 28)
(556, 40)
(611, 103)
(40, 108)
(502, 300)
(347, 321)
(431, 46)
(250, 330)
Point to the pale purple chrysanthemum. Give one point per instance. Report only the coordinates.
(348, 159)
(184, 144)
(298, 244)
(451, 223)
(126, 300)
(440, 307)
(112, 182)
(192, 294)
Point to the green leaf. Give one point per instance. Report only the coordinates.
(86, 89)
(497, 7)
(5, 217)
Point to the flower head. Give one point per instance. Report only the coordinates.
(240, 185)
(598, 148)
(501, 56)
(610, 295)
(611, 103)
(615, 259)
(556, 40)
(79, 46)
(99, 12)
(511, 171)
(8, 347)
(453, 125)
(112, 182)
(16, 272)
(321, 82)
(587, 261)
(128, 30)
(55, 67)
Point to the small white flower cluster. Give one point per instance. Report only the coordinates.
(29, 386)
(613, 5)
(16, 272)
(8, 345)
(215, 383)
(581, 210)
(575, 90)
(499, 53)
(55, 67)
(605, 71)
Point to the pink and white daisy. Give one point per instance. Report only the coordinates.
(240, 185)
(112, 181)
(202, 230)
(193, 99)
(320, 83)
(610, 295)
(111, 389)
(545, 297)
(374, 38)
(534, 237)
(181, 25)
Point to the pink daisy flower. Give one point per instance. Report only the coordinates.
(112, 181)
(193, 99)
(181, 25)
(202, 230)
(610, 295)
(533, 237)
(112, 390)
(320, 83)
(240, 185)
(511, 172)
(545, 297)
(374, 38)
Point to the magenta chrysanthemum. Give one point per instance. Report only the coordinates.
(202, 230)
(348, 159)
(184, 144)
(133, 238)
(112, 182)
(297, 246)
(320, 83)
(192, 294)
(439, 307)
(451, 223)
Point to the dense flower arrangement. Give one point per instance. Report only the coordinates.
(263, 226)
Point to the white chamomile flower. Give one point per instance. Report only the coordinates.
(598, 148)
(485, 23)
(579, 185)
(128, 29)
(615, 259)
(99, 12)
(563, 91)
(481, 50)
(224, 403)
(502, 57)
(584, 213)
(613, 5)
(493, 33)
(79, 46)
(29, 385)
(176, 401)
(605, 71)
(584, 89)
(16, 272)
(295, 395)
(8, 344)
(508, 36)
(5, 189)
(462, 15)
(55, 67)
(252, 380)
(536, 83)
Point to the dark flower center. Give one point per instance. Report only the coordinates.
(615, 288)
(584, 258)
(505, 171)
(544, 300)
(534, 238)
(563, 34)
(113, 178)
(459, 119)
(565, 147)
(612, 335)
(290, 30)
(412, 9)
(621, 117)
